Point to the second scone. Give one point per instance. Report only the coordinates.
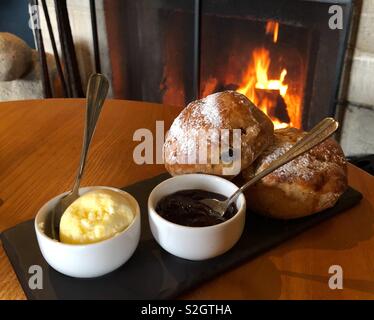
(222, 110)
(308, 184)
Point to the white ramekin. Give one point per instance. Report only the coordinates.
(196, 243)
(88, 260)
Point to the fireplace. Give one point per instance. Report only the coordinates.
(270, 67)
(280, 53)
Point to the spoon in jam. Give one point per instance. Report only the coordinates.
(97, 90)
(318, 134)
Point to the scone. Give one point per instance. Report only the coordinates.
(308, 184)
(203, 139)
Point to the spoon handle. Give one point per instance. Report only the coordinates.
(318, 134)
(97, 90)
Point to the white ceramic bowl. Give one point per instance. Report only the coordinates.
(196, 243)
(88, 260)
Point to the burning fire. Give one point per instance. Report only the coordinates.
(272, 27)
(272, 96)
(262, 90)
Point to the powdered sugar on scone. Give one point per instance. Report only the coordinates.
(209, 116)
(322, 158)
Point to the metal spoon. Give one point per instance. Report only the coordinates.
(97, 90)
(318, 134)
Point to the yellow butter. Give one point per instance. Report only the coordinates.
(96, 216)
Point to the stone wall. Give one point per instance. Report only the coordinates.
(358, 112)
(21, 71)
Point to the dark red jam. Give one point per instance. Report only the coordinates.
(183, 207)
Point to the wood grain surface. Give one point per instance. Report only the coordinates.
(40, 143)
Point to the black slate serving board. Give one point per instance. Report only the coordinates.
(152, 273)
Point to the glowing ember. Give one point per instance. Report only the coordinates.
(272, 27)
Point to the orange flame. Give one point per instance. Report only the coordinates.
(260, 89)
(272, 27)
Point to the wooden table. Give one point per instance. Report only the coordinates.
(40, 145)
